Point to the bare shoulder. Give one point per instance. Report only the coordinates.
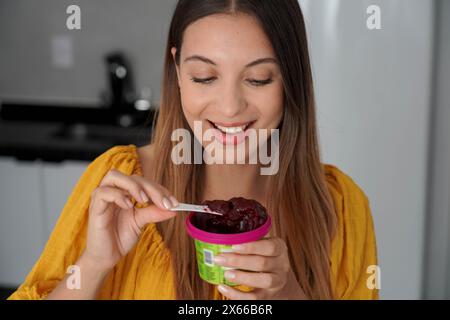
(146, 157)
(146, 152)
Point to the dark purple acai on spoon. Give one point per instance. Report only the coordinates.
(238, 215)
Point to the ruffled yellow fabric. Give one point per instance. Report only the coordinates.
(146, 272)
(354, 247)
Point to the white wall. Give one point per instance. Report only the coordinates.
(27, 29)
(373, 96)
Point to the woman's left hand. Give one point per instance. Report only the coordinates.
(273, 279)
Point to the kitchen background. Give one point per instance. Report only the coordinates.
(383, 103)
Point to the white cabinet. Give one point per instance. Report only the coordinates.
(32, 195)
(22, 227)
(59, 181)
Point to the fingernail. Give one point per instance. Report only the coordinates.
(166, 202)
(174, 201)
(129, 203)
(237, 247)
(219, 259)
(222, 288)
(144, 197)
(230, 274)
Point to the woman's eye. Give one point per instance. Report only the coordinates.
(260, 82)
(253, 82)
(202, 81)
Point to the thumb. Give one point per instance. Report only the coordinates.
(152, 214)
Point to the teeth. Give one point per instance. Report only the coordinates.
(232, 130)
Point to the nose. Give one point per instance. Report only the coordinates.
(231, 101)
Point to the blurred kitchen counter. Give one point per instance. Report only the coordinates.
(54, 133)
(55, 142)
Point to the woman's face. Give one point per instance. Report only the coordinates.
(229, 78)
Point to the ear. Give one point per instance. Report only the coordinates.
(174, 51)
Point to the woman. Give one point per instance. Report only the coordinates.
(230, 66)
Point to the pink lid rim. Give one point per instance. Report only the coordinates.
(221, 238)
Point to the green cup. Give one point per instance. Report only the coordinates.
(208, 245)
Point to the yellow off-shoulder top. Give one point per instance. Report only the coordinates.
(145, 272)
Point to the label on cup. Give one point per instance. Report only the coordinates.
(208, 270)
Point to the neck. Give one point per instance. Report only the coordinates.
(223, 182)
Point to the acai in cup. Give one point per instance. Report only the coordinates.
(242, 221)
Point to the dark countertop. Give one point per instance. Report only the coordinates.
(56, 133)
(55, 142)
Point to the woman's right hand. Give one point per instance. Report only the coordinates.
(114, 223)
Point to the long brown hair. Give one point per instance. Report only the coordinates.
(305, 216)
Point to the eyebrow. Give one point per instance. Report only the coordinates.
(251, 64)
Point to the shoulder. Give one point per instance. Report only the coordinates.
(352, 208)
(353, 247)
(340, 182)
(344, 190)
(128, 159)
(116, 156)
(124, 158)
(147, 156)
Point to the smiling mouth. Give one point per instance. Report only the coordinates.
(231, 128)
